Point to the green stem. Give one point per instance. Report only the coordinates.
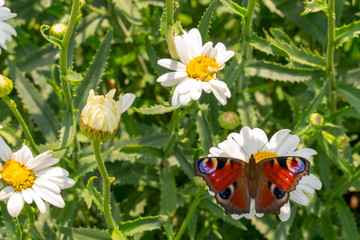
(106, 185)
(330, 70)
(169, 28)
(12, 105)
(33, 229)
(191, 211)
(64, 53)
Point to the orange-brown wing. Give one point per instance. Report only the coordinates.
(277, 177)
(225, 177)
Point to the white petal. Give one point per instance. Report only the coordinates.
(5, 151)
(299, 197)
(47, 163)
(38, 201)
(196, 91)
(186, 86)
(236, 216)
(277, 139)
(194, 41)
(26, 195)
(185, 98)
(52, 198)
(216, 152)
(260, 138)
(172, 78)
(15, 204)
(285, 212)
(172, 65)
(127, 101)
(252, 210)
(206, 86)
(23, 155)
(48, 185)
(247, 141)
(306, 189)
(220, 95)
(175, 98)
(6, 192)
(288, 146)
(182, 49)
(40, 159)
(64, 183)
(211, 193)
(52, 172)
(304, 152)
(224, 57)
(312, 181)
(206, 49)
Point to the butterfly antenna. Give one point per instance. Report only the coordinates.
(263, 146)
(241, 147)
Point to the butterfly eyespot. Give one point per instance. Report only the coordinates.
(225, 194)
(207, 165)
(278, 193)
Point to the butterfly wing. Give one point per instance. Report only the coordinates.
(226, 178)
(277, 177)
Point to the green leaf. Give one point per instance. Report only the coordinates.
(184, 163)
(312, 107)
(314, 6)
(192, 224)
(142, 224)
(204, 24)
(51, 39)
(279, 72)
(73, 77)
(327, 228)
(267, 46)
(117, 235)
(95, 195)
(68, 130)
(219, 211)
(347, 220)
(203, 129)
(351, 94)
(8, 221)
(154, 110)
(346, 32)
(93, 74)
(168, 191)
(153, 58)
(283, 43)
(234, 8)
(233, 70)
(86, 233)
(38, 107)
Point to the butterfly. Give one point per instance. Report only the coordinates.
(236, 182)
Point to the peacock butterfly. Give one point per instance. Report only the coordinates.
(236, 182)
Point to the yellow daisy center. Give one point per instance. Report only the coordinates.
(202, 68)
(263, 155)
(19, 176)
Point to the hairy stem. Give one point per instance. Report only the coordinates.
(106, 184)
(169, 28)
(330, 70)
(12, 105)
(64, 53)
(189, 214)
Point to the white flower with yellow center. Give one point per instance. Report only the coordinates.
(31, 179)
(5, 29)
(255, 142)
(101, 115)
(197, 70)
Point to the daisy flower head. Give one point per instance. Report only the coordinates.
(255, 142)
(27, 179)
(5, 29)
(100, 117)
(196, 70)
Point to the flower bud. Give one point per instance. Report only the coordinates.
(342, 142)
(82, 3)
(316, 120)
(229, 120)
(58, 30)
(100, 118)
(6, 86)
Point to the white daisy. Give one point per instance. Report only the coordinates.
(251, 141)
(31, 179)
(197, 69)
(101, 115)
(5, 29)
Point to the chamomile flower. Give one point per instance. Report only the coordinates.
(6, 30)
(197, 70)
(254, 141)
(29, 179)
(101, 115)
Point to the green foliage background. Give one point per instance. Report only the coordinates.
(117, 44)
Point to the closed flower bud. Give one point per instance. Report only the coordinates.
(58, 30)
(316, 120)
(6, 86)
(342, 142)
(229, 120)
(100, 118)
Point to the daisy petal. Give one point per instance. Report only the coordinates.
(277, 139)
(304, 152)
(182, 49)
(172, 78)
(299, 197)
(52, 172)
(45, 164)
(47, 184)
(172, 65)
(41, 159)
(50, 197)
(127, 99)
(15, 204)
(288, 146)
(23, 155)
(38, 201)
(312, 181)
(285, 212)
(196, 91)
(6, 192)
(26, 195)
(5, 151)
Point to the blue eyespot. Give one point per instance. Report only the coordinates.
(278, 193)
(225, 194)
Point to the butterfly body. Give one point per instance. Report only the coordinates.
(236, 182)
